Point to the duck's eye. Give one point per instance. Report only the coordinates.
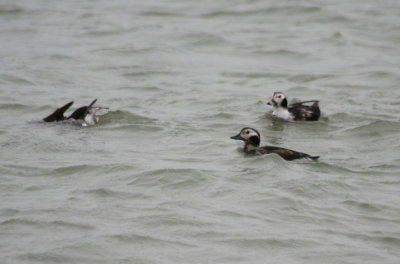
(247, 132)
(279, 96)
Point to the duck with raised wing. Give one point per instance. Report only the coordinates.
(86, 114)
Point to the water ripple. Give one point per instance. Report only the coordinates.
(46, 224)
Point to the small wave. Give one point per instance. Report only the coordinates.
(135, 238)
(362, 206)
(21, 170)
(333, 18)
(344, 117)
(10, 10)
(267, 242)
(388, 241)
(161, 13)
(218, 116)
(374, 128)
(282, 53)
(106, 193)
(70, 170)
(141, 73)
(121, 51)
(34, 188)
(71, 123)
(141, 239)
(136, 128)
(386, 168)
(105, 32)
(60, 57)
(13, 79)
(204, 39)
(254, 75)
(376, 75)
(14, 106)
(126, 117)
(46, 224)
(17, 221)
(309, 77)
(73, 225)
(81, 169)
(47, 257)
(275, 10)
(9, 212)
(170, 178)
(124, 120)
(335, 38)
(152, 89)
(336, 168)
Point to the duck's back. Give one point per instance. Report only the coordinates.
(287, 154)
(302, 112)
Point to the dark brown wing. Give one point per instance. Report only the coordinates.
(302, 112)
(287, 154)
(58, 115)
(81, 112)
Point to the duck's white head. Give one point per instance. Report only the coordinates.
(248, 135)
(278, 99)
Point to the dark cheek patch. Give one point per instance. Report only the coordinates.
(284, 103)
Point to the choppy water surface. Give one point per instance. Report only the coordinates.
(159, 180)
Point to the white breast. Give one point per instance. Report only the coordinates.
(91, 119)
(283, 113)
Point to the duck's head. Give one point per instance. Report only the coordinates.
(278, 99)
(248, 135)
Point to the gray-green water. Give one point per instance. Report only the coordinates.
(159, 180)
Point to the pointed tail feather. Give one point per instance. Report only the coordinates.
(92, 103)
(309, 157)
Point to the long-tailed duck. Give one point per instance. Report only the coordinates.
(251, 138)
(86, 114)
(296, 111)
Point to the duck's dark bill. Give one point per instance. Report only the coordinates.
(237, 137)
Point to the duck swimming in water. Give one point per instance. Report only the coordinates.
(87, 114)
(251, 138)
(296, 111)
